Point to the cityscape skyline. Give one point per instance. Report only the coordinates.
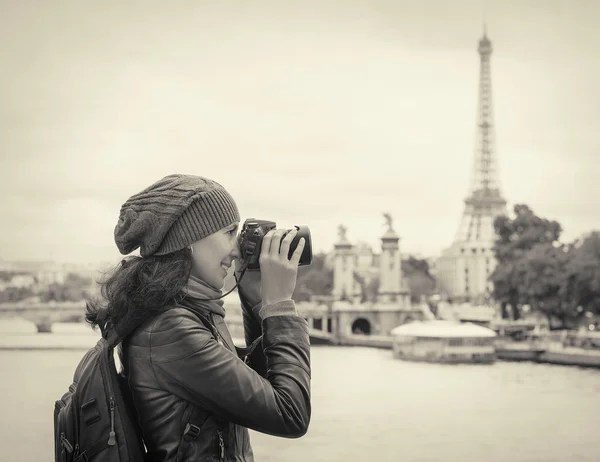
(373, 112)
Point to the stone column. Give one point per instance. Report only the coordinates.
(390, 272)
(343, 267)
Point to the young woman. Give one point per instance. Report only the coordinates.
(195, 398)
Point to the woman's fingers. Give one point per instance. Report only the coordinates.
(276, 248)
(275, 243)
(285, 244)
(295, 260)
(266, 244)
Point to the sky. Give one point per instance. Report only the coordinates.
(313, 112)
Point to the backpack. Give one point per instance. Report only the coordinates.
(95, 420)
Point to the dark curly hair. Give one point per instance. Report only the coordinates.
(138, 289)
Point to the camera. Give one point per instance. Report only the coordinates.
(251, 237)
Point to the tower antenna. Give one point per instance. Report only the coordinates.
(483, 17)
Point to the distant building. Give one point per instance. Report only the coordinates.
(22, 281)
(46, 273)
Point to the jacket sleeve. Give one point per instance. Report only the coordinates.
(253, 330)
(195, 367)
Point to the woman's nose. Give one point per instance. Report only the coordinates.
(236, 253)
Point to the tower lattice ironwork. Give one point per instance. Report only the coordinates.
(484, 201)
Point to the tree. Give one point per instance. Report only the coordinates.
(560, 280)
(420, 281)
(583, 273)
(515, 238)
(15, 294)
(363, 286)
(523, 232)
(505, 278)
(315, 279)
(372, 288)
(369, 288)
(74, 288)
(543, 282)
(8, 275)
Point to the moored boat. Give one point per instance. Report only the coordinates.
(569, 348)
(444, 342)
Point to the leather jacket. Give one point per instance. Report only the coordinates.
(196, 399)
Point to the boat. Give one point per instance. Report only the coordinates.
(442, 341)
(519, 351)
(568, 348)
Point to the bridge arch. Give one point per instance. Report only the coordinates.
(361, 326)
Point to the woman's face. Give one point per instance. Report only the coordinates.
(213, 255)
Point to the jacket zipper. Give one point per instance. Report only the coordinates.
(58, 449)
(218, 336)
(220, 341)
(65, 443)
(221, 446)
(111, 436)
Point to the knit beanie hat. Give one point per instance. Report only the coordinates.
(172, 214)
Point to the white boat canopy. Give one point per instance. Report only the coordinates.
(442, 329)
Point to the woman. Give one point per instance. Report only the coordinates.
(195, 398)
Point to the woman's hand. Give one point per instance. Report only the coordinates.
(249, 286)
(278, 273)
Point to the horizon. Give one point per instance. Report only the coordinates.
(404, 254)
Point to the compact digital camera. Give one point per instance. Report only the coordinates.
(251, 237)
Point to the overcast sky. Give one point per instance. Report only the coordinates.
(313, 112)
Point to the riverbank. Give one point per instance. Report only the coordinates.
(21, 335)
(550, 353)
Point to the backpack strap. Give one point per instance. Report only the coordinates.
(87, 455)
(242, 352)
(196, 420)
(194, 424)
(113, 336)
(205, 320)
(245, 352)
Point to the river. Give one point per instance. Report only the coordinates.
(367, 406)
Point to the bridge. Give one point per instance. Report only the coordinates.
(358, 324)
(329, 323)
(44, 315)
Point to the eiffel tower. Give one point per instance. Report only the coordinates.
(465, 266)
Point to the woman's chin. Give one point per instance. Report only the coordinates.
(218, 284)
